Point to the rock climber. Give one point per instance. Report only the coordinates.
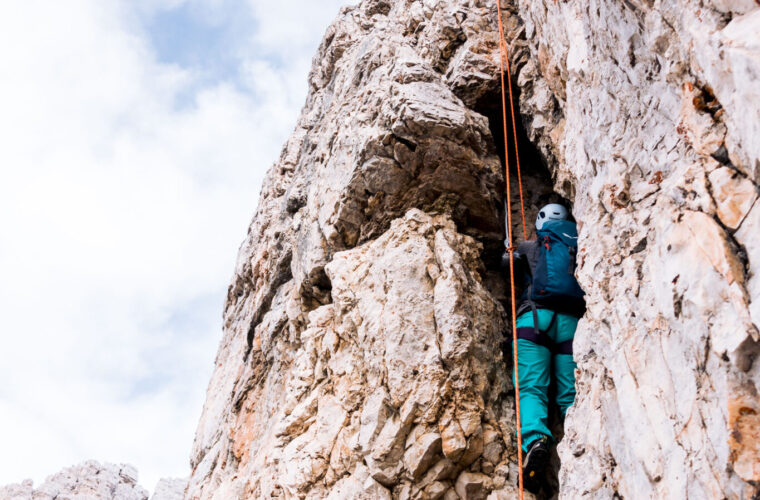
(547, 316)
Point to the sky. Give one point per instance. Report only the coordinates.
(134, 136)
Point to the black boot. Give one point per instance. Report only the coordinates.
(535, 463)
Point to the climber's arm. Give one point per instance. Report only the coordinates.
(521, 262)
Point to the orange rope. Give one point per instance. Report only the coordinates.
(503, 56)
(514, 133)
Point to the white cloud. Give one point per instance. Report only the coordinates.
(127, 181)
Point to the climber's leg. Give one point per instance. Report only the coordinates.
(564, 370)
(564, 366)
(534, 363)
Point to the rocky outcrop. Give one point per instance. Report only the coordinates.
(86, 481)
(170, 489)
(360, 356)
(654, 131)
(92, 480)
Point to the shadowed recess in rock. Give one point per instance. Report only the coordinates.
(537, 192)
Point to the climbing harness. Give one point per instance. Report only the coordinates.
(511, 248)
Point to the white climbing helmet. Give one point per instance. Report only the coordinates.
(552, 211)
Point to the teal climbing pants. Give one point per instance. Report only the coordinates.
(550, 350)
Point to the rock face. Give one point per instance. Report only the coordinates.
(361, 355)
(361, 352)
(87, 481)
(654, 135)
(170, 489)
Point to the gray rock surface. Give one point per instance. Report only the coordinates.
(89, 480)
(360, 356)
(361, 353)
(170, 489)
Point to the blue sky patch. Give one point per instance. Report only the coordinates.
(200, 40)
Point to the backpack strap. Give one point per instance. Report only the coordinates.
(536, 329)
(533, 310)
(573, 251)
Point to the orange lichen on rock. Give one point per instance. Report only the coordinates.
(242, 432)
(744, 437)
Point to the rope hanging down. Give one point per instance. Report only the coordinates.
(502, 60)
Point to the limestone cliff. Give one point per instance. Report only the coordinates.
(655, 133)
(361, 352)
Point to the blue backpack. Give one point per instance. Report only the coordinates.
(554, 284)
